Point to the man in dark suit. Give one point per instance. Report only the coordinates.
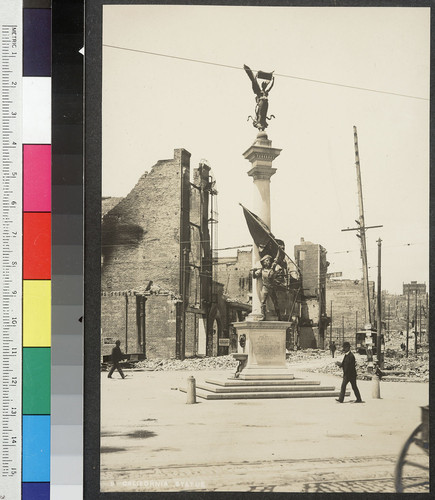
(117, 356)
(349, 374)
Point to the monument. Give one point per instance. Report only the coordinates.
(264, 331)
(262, 372)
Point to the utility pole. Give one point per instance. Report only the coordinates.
(420, 318)
(388, 327)
(184, 304)
(415, 323)
(380, 355)
(361, 234)
(356, 323)
(342, 327)
(330, 328)
(407, 326)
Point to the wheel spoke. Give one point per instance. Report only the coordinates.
(413, 485)
(415, 464)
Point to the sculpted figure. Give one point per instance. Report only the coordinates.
(272, 275)
(261, 92)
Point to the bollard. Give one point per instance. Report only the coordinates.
(376, 388)
(191, 391)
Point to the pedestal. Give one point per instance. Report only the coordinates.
(265, 346)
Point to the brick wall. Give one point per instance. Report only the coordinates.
(161, 319)
(160, 324)
(308, 259)
(113, 315)
(142, 233)
(233, 274)
(348, 308)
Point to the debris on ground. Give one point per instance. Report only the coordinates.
(189, 364)
(397, 367)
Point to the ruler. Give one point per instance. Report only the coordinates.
(11, 249)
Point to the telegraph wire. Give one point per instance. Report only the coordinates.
(323, 82)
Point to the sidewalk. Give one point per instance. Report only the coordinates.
(151, 427)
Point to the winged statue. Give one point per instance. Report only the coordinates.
(261, 91)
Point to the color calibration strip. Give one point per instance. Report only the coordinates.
(42, 248)
(36, 252)
(11, 248)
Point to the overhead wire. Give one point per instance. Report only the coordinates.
(312, 80)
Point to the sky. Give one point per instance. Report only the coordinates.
(173, 78)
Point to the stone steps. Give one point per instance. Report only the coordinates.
(262, 388)
(267, 395)
(258, 388)
(236, 382)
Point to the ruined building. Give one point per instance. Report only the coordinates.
(346, 309)
(158, 295)
(311, 260)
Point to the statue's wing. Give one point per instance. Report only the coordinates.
(255, 86)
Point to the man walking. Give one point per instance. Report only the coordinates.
(333, 348)
(349, 374)
(117, 355)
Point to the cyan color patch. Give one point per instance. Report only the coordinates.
(36, 448)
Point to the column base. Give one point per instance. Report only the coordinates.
(251, 373)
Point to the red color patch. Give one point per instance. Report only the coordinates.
(36, 246)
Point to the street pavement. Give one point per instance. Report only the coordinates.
(151, 440)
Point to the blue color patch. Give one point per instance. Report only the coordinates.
(36, 448)
(37, 42)
(36, 491)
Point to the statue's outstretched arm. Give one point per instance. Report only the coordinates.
(269, 87)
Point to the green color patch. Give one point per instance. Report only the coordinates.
(36, 380)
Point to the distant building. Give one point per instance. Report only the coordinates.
(158, 293)
(414, 288)
(396, 311)
(346, 309)
(234, 274)
(311, 260)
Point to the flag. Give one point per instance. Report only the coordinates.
(260, 233)
(263, 238)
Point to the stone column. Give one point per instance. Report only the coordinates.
(261, 155)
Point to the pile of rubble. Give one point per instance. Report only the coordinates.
(397, 367)
(189, 364)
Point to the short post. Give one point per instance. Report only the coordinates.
(376, 386)
(191, 390)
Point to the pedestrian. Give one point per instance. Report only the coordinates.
(333, 348)
(117, 356)
(349, 374)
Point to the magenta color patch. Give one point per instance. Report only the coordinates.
(37, 177)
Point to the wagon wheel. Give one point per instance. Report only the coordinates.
(402, 477)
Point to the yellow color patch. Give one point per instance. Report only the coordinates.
(36, 313)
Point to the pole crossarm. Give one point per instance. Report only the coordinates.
(360, 228)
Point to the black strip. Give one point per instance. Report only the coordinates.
(36, 4)
(93, 82)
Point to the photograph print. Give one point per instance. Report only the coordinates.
(265, 249)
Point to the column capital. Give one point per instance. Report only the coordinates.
(263, 172)
(261, 153)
